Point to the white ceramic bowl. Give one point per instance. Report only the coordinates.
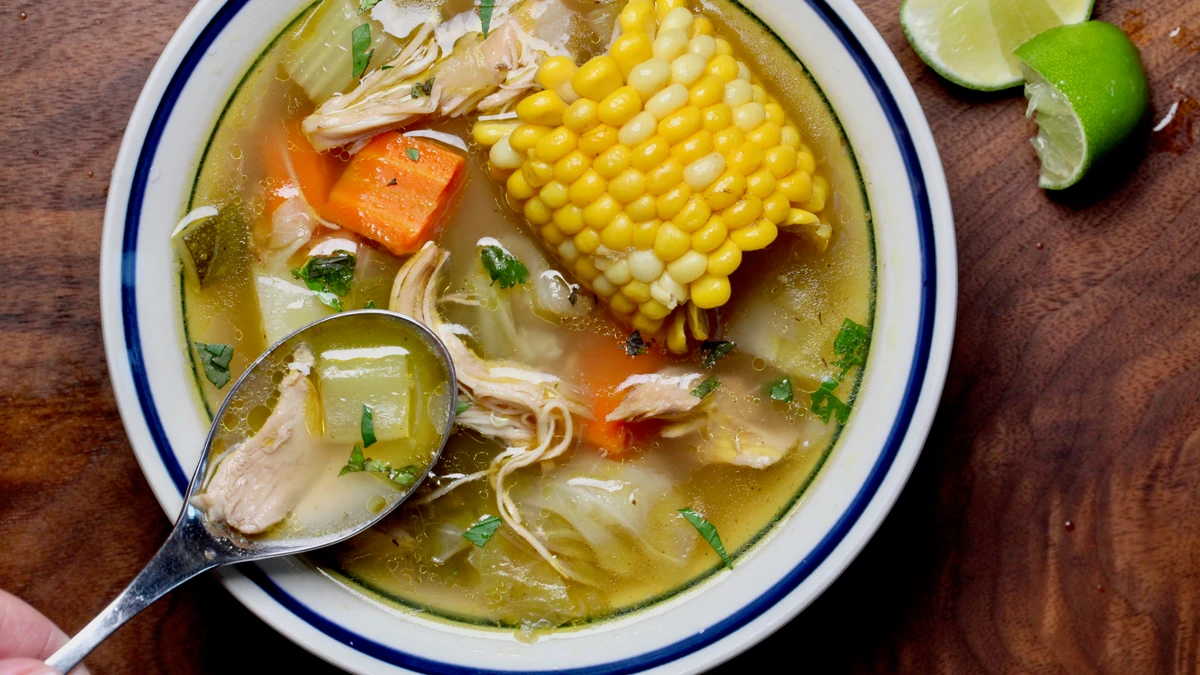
(723, 616)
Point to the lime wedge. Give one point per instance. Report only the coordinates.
(970, 42)
(1086, 85)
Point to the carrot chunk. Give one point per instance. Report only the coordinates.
(606, 366)
(291, 162)
(397, 190)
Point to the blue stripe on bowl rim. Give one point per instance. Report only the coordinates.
(645, 661)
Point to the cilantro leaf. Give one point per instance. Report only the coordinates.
(483, 529)
(461, 407)
(851, 344)
(366, 6)
(215, 360)
(413, 153)
(370, 304)
(503, 267)
(706, 387)
(634, 344)
(709, 532)
(328, 276)
(367, 426)
(360, 43)
(781, 391)
(357, 463)
(485, 14)
(825, 404)
(714, 350)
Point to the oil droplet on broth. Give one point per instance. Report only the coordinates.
(376, 504)
(759, 364)
(257, 417)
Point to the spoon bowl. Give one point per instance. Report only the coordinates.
(197, 544)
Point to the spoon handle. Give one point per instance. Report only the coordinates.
(177, 561)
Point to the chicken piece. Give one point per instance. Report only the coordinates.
(263, 478)
(657, 395)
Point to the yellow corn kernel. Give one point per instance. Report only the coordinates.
(620, 106)
(488, 133)
(745, 158)
(602, 286)
(653, 309)
(597, 78)
(805, 160)
(572, 165)
(667, 101)
(638, 15)
(587, 241)
(587, 188)
(645, 232)
(621, 304)
(790, 136)
(526, 136)
(517, 187)
(636, 291)
(642, 209)
(555, 145)
(586, 269)
(798, 187)
(726, 190)
(630, 49)
(780, 160)
(677, 18)
(671, 242)
(708, 90)
(680, 124)
(545, 107)
(723, 66)
(537, 173)
(687, 68)
(688, 267)
(651, 153)
(581, 115)
(677, 340)
(555, 71)
(765, 135)
(716, 117)
(628, 186)
(723, 47)
(536, 212)
(701, 25)
(725, 260)
(612, 161)
(664, 177)
(498, 173)
(776, 207)
(569, 219)
(672, 201)
(710, 236)
(728, 139)
(702, 45)
(649, 77)
(743, 212)
(645, 324)
(601, 212)
(597, 139)
(618, 234)
(663, 7)
(618, 272)
(694, 214)
(749, 115)
(756, 237)
(761, 183)
(693, 147)
(801, 217)
(638, 129)
(760, 96)
(553, 194)
(775, 114)
(710, 291)
(697, 321)
(820, 192)
(552, 235)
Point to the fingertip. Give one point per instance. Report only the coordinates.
(26, 667)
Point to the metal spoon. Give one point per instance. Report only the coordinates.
(196, 546)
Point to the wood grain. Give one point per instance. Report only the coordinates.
(1051, 526)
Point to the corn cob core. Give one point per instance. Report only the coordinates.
(651, 168)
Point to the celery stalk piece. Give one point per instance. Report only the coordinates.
(380, 377)
(286, 305)
(318, 53)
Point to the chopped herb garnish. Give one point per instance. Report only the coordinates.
(714, 350)
(485, 14)
(634, 344)
(391, 182)
(370, 304)
(709, 532)
(706, 387)
(386, 67)
(461, 407)
(454, 573)
(416, 91)
(328, 276)
(483, 529)
(367, 426)
(851, 344)
(503, 267)
(574, 296)
(215, 359)
(825, 404)
(366, 6)
(421, 88)
(360, 43)
(413, 153)
(357, 463)
(781, 391)
(427, 86)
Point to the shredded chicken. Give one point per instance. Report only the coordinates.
(529, 405)
(657, 395)
(264, 477)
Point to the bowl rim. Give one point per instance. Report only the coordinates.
(838, 547)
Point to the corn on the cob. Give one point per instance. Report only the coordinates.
(651, 168)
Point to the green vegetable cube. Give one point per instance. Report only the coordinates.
(380, 377)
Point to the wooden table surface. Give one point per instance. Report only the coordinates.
(1052, 524)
